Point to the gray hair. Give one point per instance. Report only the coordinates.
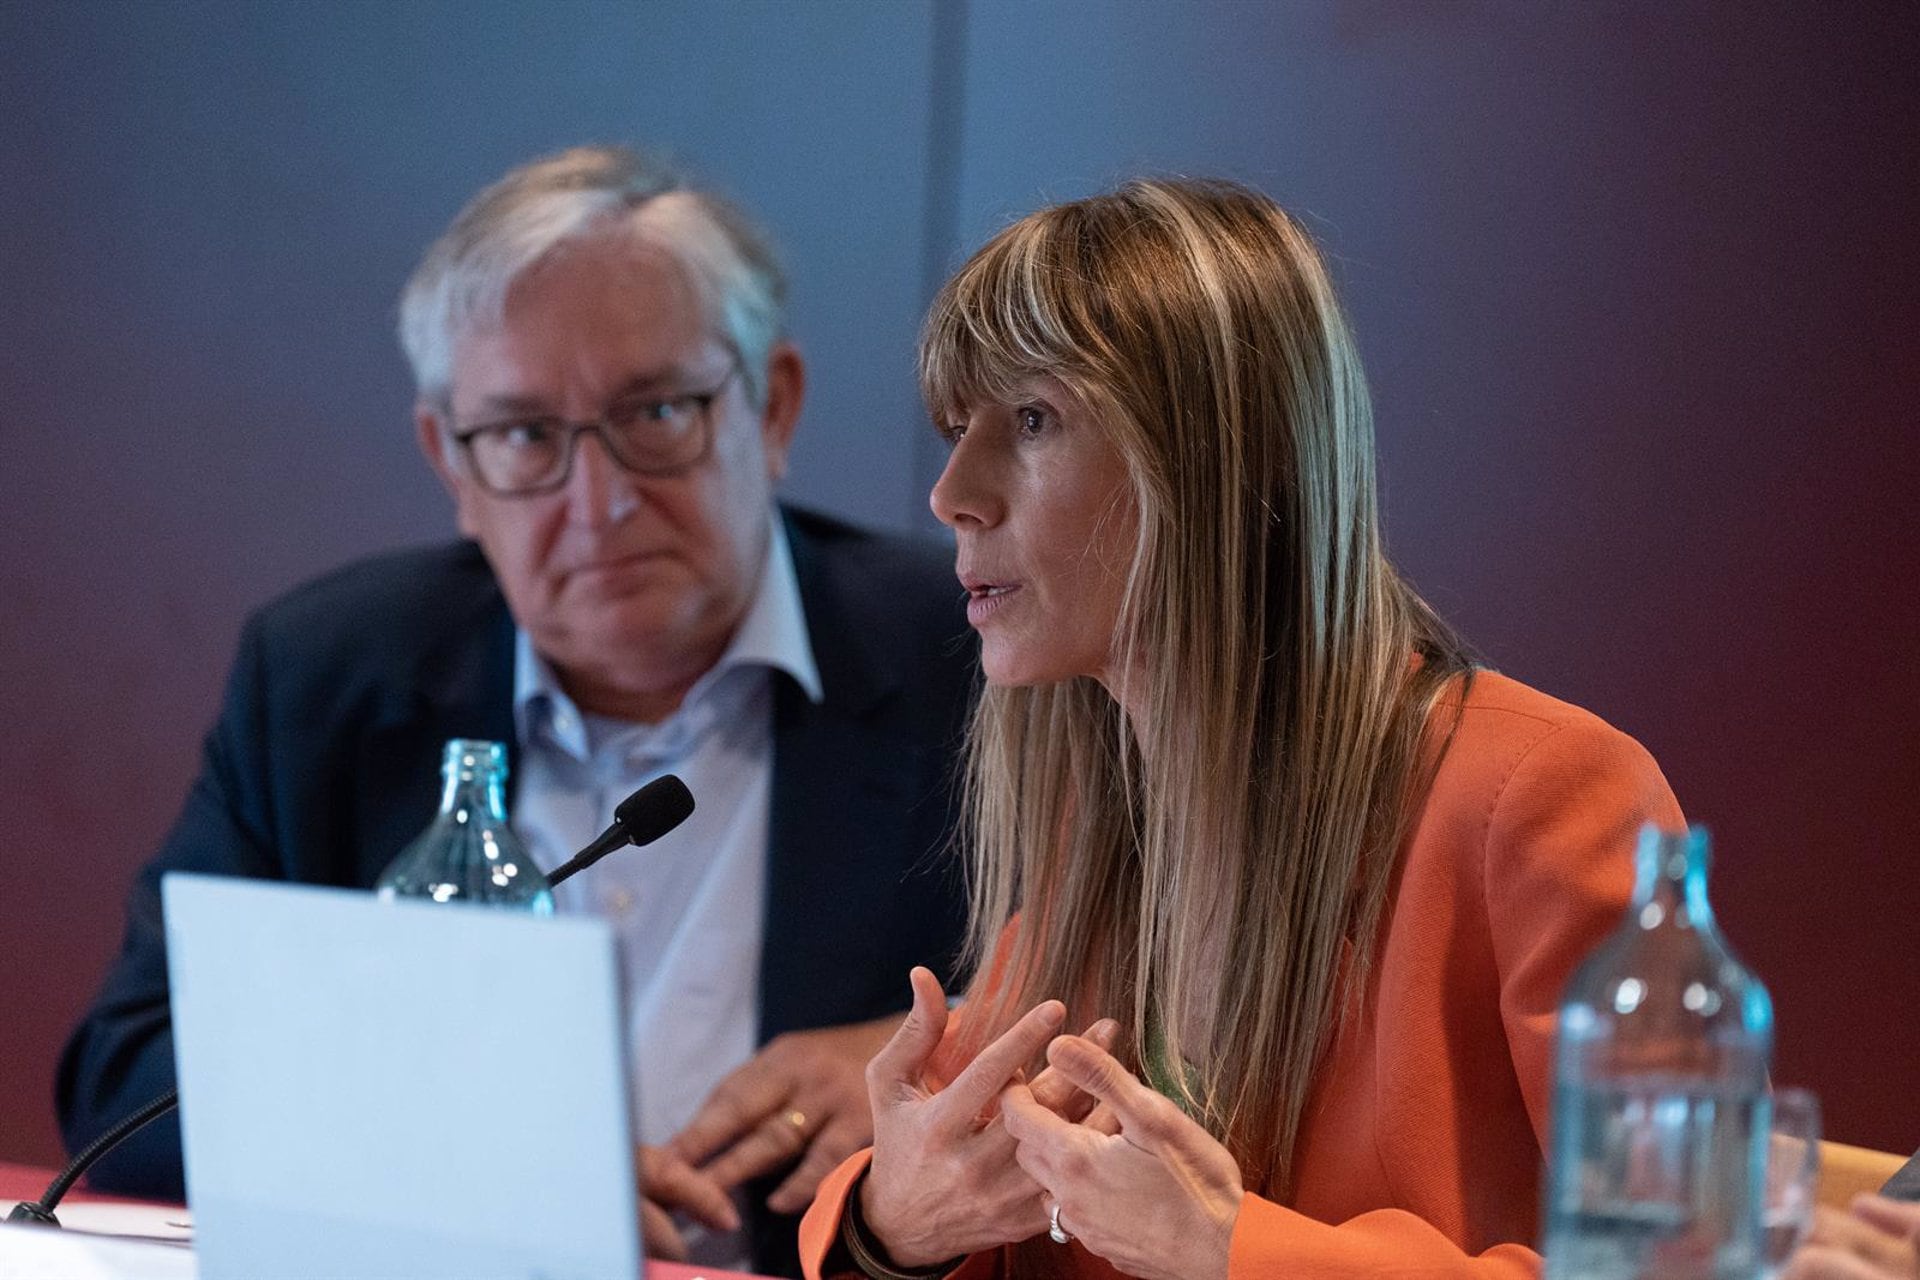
(585, 191)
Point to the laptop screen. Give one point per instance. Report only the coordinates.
(395, 1088)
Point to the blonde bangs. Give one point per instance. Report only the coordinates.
(1011, 314)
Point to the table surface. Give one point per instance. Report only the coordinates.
(26, 1182)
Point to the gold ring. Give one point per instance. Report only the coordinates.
(796, 1118)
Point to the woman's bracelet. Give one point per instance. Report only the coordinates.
(867, 1255)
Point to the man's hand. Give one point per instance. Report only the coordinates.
(802, 1097)
(669, 1185)
(1878, 1240)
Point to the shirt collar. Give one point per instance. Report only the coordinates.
(772, 634)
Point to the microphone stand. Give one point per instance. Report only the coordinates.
(41, 1211)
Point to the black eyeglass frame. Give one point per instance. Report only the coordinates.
(602, 427)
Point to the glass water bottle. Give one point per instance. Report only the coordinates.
(1657, 1162)
(469, 853)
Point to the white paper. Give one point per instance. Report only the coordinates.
(142, 1221)
(44, 1253)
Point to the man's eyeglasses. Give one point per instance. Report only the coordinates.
(520, 457)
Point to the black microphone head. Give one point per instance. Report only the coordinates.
(654, 809)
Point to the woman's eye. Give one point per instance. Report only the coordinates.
(951, 432)
(1031, 419)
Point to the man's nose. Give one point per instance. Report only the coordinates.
(600, 492)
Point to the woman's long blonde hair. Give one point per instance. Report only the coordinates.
(1216, 881)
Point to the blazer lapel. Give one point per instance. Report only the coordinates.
(832, 846)
(462, 688)
(831, 850)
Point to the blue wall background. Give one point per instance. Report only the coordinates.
(1637, 285)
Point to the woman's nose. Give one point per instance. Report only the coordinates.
(966, 494)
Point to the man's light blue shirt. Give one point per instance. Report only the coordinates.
(687, 910)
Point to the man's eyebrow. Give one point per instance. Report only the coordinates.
(508, 403)
(670, 380)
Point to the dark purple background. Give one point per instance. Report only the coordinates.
(1637, 286)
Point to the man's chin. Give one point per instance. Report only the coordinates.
(620, 580)
(612, 630)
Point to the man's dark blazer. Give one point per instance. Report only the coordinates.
(1905, 1183)
(325, 761)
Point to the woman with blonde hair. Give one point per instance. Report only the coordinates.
(1240, 804)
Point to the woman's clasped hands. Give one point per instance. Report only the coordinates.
(1138, 1181)
(990, 1158)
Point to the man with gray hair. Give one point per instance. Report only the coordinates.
(607, 391)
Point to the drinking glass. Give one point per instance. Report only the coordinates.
(1793, 1175)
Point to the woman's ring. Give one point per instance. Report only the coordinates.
(796, 1118)
(1054, 1229)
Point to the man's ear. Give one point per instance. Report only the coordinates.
(786, 390)
(436, 445)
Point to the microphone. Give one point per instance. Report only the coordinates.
(641, 818)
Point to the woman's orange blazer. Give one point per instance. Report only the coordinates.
(1420, 1152)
